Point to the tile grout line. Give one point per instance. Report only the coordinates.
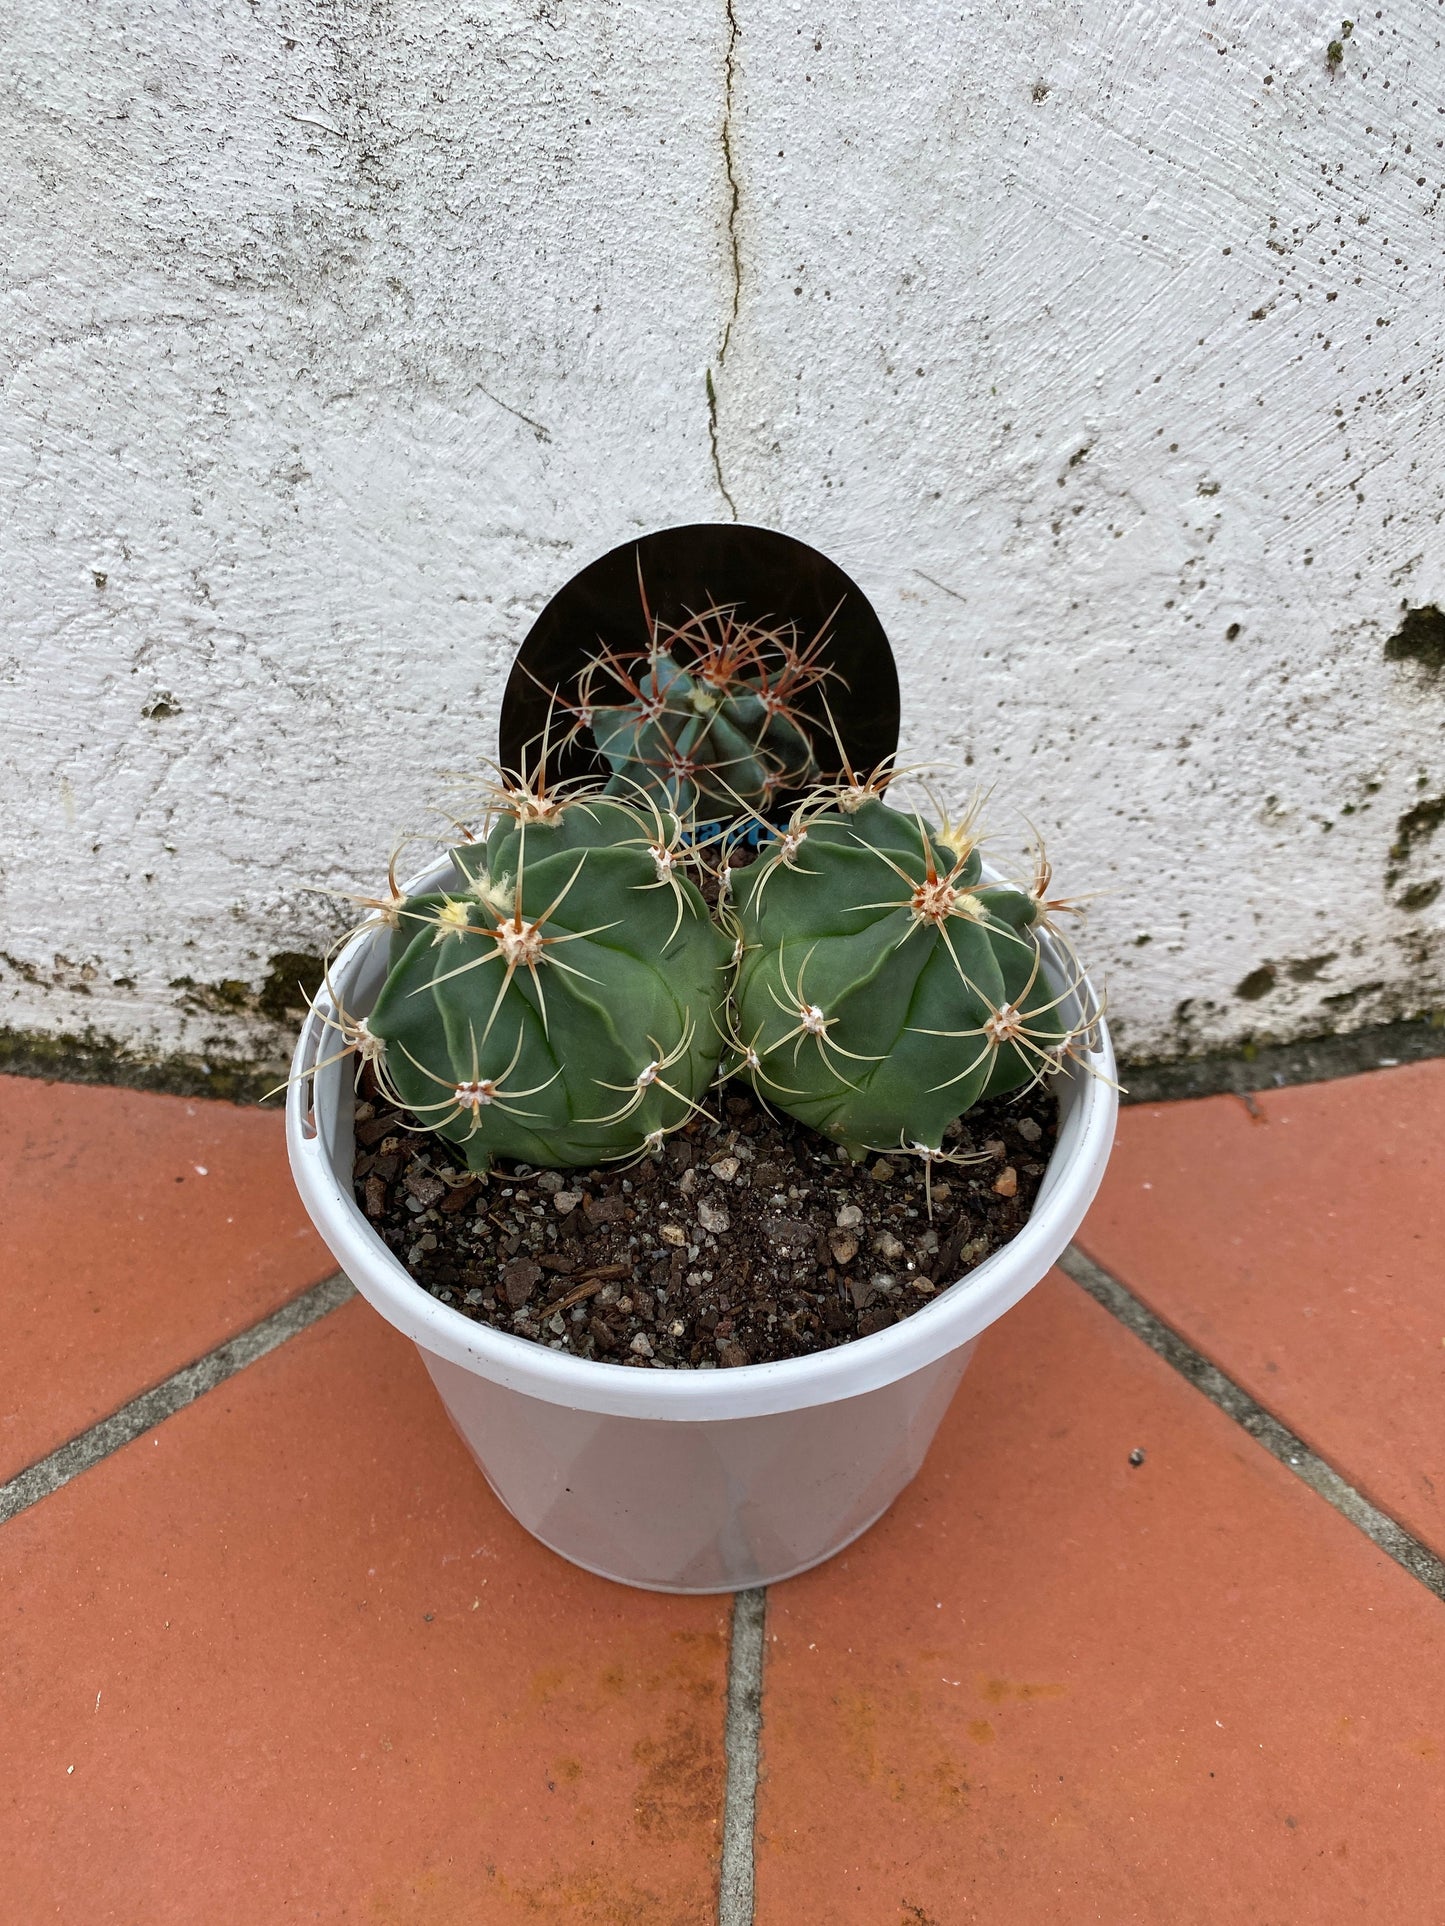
(743, 1725)
(172, 1394)
(1236, 1403)
(741, 1735)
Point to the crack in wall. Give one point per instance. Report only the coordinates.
(734, 253)
(716, 455)
(734, 186)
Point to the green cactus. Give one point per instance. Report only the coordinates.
(561, 1007)
(705, 720)
(883, 985)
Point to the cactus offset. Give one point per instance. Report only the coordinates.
(884, 985)
(706, 719)
(561, 1004)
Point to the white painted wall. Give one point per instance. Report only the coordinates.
(1102, 344)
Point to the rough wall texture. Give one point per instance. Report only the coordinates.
(1102, 345)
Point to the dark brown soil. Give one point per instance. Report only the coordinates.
(749, 1238)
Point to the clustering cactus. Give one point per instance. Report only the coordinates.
(561, 1005)
(572, 999)
(568, 1002)
(884, 985)
(706, 719)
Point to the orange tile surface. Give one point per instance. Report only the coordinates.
(286, 1658)
(1299, 1241)
(140, 1231)
(1050, 1687)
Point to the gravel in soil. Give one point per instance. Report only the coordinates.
(748, 1238)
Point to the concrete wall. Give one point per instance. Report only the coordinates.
(1102, 344)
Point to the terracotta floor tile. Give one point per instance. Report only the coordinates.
(1052, 1687)
(140, 1231)
(287, 1658)
(1299, 1241)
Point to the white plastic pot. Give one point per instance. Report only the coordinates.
(680, 1480)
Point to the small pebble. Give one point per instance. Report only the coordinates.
(711, 1218)
(673, 1234)
(1029, 1130)
(1007, 1182)
(641, 1346)
(887, 1245)
(566, 1201)
(882, 1172)
(519, 1280)
(1136, 1456)
(844, 1246)
(603, 1210)
(789, 1236)
(849, 1217)
(550, 1181)
(725, 1169)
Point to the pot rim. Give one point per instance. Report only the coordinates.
(319, 1138)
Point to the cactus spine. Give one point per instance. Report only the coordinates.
(560, 1006)
(884, 985)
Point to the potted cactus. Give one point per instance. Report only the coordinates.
(669, 1122)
